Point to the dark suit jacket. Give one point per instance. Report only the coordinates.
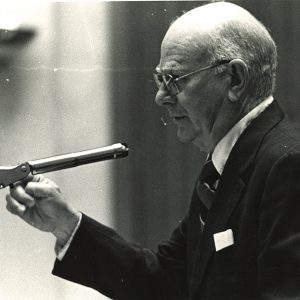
(258, 198)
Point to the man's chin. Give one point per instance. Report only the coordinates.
(195, 140)
(184, 138)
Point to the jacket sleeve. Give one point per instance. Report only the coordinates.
(279, 231)
(101, 259)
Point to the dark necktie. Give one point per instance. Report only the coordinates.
(206, 188)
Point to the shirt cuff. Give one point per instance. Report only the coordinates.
(61, 251)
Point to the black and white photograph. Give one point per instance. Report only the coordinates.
(150, 150)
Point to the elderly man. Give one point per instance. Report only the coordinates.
(240, 238)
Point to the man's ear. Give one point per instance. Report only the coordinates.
(239, 79)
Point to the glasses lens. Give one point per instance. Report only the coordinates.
(173, 88)
(158, 78)
(167, 79)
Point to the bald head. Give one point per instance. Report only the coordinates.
(222, 30)
(208, 17)
(212, 19)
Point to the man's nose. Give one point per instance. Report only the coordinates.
(163, 97)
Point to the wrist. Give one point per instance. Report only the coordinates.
(64, 230)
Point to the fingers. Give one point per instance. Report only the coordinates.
(25, 192)
(18, 200)
(21, 196)
(14, 206)
(38, 178)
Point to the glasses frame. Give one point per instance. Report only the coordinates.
(168, 79)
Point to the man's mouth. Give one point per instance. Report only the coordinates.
(178, 118)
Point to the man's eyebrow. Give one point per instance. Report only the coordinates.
(157, 69)
(167, 71)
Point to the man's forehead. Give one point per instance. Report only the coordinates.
(177, 61)
(181, 50)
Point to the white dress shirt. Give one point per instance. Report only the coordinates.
(223, 148)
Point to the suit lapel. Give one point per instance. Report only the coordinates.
(231, 187)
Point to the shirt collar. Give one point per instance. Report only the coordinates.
(224, 147)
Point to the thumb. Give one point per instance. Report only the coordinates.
(41, 189)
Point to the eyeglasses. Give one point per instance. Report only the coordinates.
(171, 81)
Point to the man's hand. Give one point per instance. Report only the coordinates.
(39, 202)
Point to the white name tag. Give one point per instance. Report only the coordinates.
(223, 239)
